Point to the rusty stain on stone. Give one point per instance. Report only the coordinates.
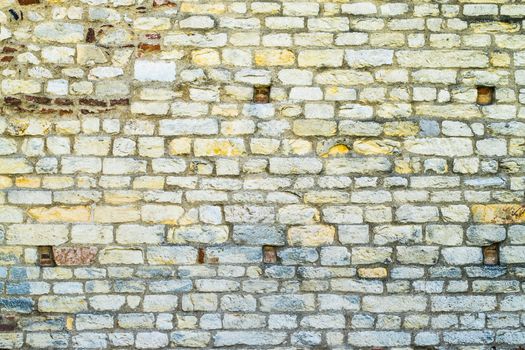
(71, 256)
(499, 213)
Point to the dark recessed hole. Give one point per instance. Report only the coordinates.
(200, 256)
(485, 95)
(269, 254)
(15, 15)
(491, 254)
(90, 36)
(261, 94)
(7, 323)
(45, 256)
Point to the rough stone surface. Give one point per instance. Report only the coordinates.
(310, 174)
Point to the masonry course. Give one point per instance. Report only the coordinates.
(326, 174)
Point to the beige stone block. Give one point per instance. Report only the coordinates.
(62, 304)
(320, 58)
(374, 147)
(274, 57)
(14, 86)
(164, 214)
(179, 146)
(218, 147)
(372, 272)
(311, 235)
(110, 256)
(36, 234)
(205, 57)
(108, 214)
(314, 127)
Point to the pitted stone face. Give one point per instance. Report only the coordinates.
(262, 174)
(71, 256)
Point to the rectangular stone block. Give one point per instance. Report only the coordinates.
(180, 255)
(70, 256)
(233, 255)
(442, 59)
(498, 213)
(378, 338)
(62, 304)
(463, 303)
(37, 234)
(385, 304)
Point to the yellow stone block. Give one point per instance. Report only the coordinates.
(218, 147)
(500, 59)
(264, 146)
(15, 166)
(27, 182)
(403, 166)
(60, 214)
(56, 182)
(516, 147)
(5, 182)
(149, 182)
(179, 146)
(225, 110)
(311, 235)
(314, 127)
(499, 213)
(371, 147)
(373, 272)
(122, 197)
(196, 8)
(273, 57)
(70, 323)
(337, 150)
(25, 126)
(400, 129)
(205, 57)
(164, 214)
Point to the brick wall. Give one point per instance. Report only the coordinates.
(322, 174)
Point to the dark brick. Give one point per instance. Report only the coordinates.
(119, 102)
(8, 49)
(12, 101)
(28, 2)
(8, 323)
(92, 102)
(38, 99)
(63, 101)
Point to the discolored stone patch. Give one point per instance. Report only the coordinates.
(72, 256)
(499, 213)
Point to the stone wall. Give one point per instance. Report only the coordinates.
(261, 174)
